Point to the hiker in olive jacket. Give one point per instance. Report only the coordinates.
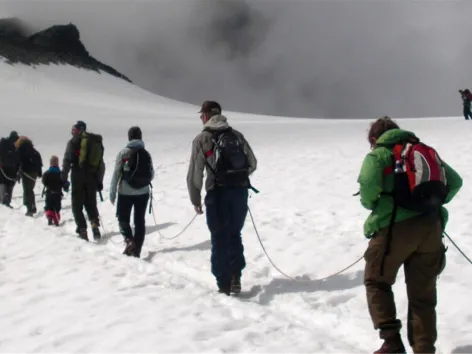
(415, 242)
(85, 183)
(226, 206)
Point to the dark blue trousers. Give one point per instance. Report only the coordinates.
(226, 210)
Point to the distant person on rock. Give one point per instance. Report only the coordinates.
(132, 179)
(84, 159)
(229, 161)
(405, 228)
(31, 167)
(54, 185)
(9, 167)
(466, 101)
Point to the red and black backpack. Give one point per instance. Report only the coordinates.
(419, 182)
(419, 177)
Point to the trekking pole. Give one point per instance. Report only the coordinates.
(101, 196)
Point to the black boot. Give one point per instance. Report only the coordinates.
(83, 235)
(235, 284)
(96, 231)
(130, 247)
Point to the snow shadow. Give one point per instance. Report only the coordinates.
(202, 246)
(305, 285)
(462, 349)
(149, 230)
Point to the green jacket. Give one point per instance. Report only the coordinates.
(372, 182)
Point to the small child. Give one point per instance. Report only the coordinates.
(53, 183)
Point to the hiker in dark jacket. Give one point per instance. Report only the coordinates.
(466, 96)
(415, 241)
(226, 203)
(9, 167)
(85, 183)
(53, 185)
(30, 169)
(136, 196)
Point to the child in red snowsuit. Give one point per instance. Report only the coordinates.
(53, 184)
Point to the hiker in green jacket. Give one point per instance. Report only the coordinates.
(414, 241)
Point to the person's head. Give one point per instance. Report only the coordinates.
(379, 127)
(54, 161)
(134, 133)
(208, 110)
(14, 136)
(78, 128)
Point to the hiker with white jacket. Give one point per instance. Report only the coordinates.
(131, 179)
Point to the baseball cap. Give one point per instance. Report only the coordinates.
(210, 107)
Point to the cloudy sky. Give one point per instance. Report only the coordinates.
(311, 58)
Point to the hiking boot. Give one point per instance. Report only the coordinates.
(49, 221)
(392, 345)
(96, 231)
(83, 235)
(224, 290)
(130, 247)
(235, 284)
(29, 213)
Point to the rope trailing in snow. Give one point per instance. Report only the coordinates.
(457, 247)
(288, 276)
(180, 233)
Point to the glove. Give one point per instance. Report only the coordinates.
(99, 186)
(66, 186)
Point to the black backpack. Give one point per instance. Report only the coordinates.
(137, 168)
(231, 163)
(36, 162)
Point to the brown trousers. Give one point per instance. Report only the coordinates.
(417, 245)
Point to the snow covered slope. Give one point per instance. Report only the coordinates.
(60, 294)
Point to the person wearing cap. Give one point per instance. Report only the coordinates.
(9, 167)
(84, 184)
(226, 205)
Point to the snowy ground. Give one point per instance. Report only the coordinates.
(59, 294)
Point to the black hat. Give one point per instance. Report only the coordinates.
(14, 135)
(210, 107)
(134, 133)
(81, 125)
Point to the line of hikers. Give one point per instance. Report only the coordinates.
(403, 182)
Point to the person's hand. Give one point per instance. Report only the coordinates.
(198, 209)
(99, 186)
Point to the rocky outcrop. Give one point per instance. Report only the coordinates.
(58, 44)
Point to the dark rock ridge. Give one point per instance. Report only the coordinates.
(55, 45)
